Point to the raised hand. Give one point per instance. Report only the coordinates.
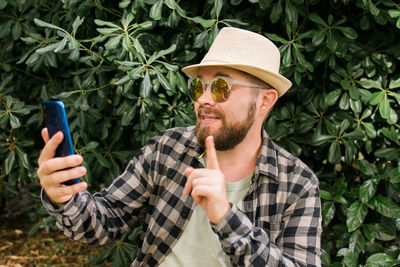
(51, 170)
(207, 186)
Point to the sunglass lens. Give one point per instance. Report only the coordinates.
(196, 89)
(220, 89)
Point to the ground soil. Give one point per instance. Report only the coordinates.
(43, 249)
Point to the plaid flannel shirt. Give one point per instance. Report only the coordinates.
(279, 226)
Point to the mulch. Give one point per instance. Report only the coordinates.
(43, 249)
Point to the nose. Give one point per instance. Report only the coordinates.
(206, 98)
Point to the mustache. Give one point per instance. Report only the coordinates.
(205, 109)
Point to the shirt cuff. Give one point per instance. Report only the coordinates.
(235, 225)
(62, 214)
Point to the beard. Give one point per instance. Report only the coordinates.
(230, 134)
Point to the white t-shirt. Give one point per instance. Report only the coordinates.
(199, 246)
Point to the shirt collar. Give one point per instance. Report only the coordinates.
(267, 160)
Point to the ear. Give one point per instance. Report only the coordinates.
(268, 100)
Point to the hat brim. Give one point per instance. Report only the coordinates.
(277, 81)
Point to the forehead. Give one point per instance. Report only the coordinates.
(212, 71)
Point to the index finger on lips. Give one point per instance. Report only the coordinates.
(212, 159)
(49, 149)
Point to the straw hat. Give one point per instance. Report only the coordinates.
(246, 51)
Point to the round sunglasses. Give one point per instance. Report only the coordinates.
(220, 87)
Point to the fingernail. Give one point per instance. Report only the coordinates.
(78, 159)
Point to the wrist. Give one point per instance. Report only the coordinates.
(225, 212)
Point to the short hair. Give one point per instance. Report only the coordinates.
(257, 81)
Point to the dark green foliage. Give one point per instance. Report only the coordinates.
(116, 65)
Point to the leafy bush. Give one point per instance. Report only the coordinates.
(117, 68)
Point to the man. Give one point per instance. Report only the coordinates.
(248, 202)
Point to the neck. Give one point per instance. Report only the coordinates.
(239, 162)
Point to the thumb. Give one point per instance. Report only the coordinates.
(212, 160)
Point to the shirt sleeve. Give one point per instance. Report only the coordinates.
(100, 218)
(298, 244)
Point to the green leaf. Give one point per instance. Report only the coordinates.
(287, 57)
(394, 83)
(384, 107)
(276, 12)
(91, 146)
(373, 9)
(23, 158)
(128, 116)
(77, 22)
(206, 23)
(355, 105)
(61, 45)
(317, 19)
(376, 98)
(367, 190)
(325, 195)
(357, 242)
(9, 162)
(381, 260)
(14, 121)
(393, 13)
(48, 25)
(328, 212)
(171, 4)
(106, 23)
(138, 47)
(384, 232)
(113, 42)
(124, 3)
(395, 177)
(136, 73)
(107, 31)
(217, 7)
(156, 9)
(16, 30)
(145, 85)
(126, 42)
(200, 40)
(64, 95)
(371, 83)
(367, 168)
(356, 215)
(277, 38)
(332, 97)
(3, 4)
(387, 153)
(321, 139)
(340, 199)
(369, 129)
(102, 160)
(162, 53)
(334, 153)
(350, 258)
(386, 207)
(343, 126)
(47, 48)
(348, 32)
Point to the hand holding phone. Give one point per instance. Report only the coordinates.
(53, 171)
(56, 120)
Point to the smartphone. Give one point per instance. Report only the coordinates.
(56, 120)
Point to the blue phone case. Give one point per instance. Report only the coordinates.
(56, 120)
